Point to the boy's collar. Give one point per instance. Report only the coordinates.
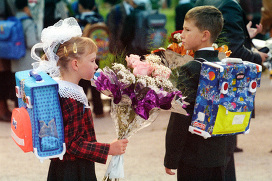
(128, 7)
(184, 1)
(210, 55)
(90, 13)
(206, 48)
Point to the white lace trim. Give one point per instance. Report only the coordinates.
(73, 91)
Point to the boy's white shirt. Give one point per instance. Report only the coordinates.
(127, 7)
(207, 48)
(90, 13)
(73, 91)
(184, 1)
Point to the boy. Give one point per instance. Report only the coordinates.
(88, 13)
(194, 157)
(115, 22)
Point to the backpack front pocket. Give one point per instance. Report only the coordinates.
(228, 122)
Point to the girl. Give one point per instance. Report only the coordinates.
(76, 60)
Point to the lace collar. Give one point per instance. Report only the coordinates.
(73, 91)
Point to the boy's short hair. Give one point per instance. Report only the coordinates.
(207, 18)
(87, 4)
(20, 4)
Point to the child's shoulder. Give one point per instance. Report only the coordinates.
(191, 64)
(26, 20)
(192, 67)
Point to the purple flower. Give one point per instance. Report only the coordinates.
(143, 99)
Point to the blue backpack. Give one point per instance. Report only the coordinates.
(12, 40)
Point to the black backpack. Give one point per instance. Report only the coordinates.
(144, 30)
(150, 32)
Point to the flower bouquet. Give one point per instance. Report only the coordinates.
(176, 55)
(139, 91)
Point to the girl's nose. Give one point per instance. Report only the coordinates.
(96, 66)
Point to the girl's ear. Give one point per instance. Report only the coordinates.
(74, 64)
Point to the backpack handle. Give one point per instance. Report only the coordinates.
(35, 75)
(232, 60)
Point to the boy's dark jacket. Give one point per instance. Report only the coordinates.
(181, 145)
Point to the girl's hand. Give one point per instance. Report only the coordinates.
(118, 147)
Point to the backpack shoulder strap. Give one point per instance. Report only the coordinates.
(118, 14)
(200, 60)
(21, 19)
(24, 18)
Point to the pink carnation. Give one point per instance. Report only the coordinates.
(142, 68)
(132, 60)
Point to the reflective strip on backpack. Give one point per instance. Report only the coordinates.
(18, 140)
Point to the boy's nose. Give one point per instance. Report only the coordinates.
(182, 35)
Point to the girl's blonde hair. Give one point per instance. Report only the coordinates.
(74, 49)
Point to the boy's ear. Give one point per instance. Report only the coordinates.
(206, 35)
(74, 64)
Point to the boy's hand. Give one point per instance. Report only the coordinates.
(169, 171)
(118, 147)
